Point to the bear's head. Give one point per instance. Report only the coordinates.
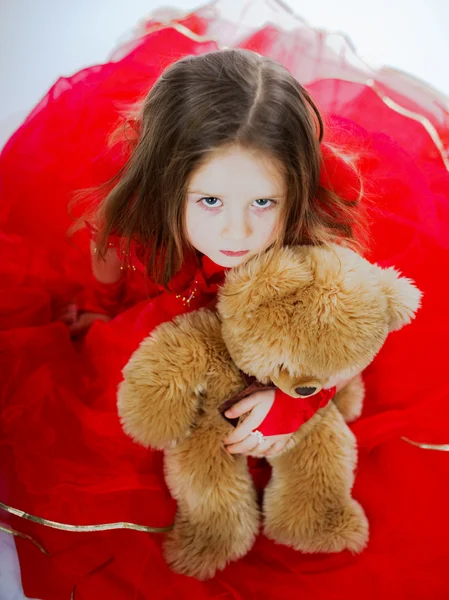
(305, 317)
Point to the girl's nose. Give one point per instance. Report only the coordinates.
(236, 227)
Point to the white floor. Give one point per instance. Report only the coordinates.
(10, 586)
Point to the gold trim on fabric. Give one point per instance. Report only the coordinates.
(83, 528)
(426, 446)
(24, 536)
(425, 122)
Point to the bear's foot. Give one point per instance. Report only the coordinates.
(200, 551)
(332, 529)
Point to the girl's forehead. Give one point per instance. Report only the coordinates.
(238, 168)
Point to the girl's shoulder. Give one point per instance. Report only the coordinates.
(134, 258)
(130, 254)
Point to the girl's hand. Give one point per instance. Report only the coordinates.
(241, 440)
(80, 323)
(84, 321)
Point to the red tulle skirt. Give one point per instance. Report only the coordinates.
(63, 456)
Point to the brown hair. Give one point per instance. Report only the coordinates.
(198, 104)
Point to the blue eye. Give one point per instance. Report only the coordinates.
(210, 202)
(266, 202)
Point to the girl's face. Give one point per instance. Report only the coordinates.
(234, 203)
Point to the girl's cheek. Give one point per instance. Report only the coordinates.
(270, 224)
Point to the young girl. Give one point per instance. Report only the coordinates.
(236, 172)
(227, 157)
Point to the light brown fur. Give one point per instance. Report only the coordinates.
(290, 316)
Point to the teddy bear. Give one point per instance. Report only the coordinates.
(299, 318)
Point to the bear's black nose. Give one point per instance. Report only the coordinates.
(305, 391)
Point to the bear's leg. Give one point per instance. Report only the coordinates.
(349, 400)
(308, 503)
(218, 516)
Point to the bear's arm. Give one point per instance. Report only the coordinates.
(160, 395)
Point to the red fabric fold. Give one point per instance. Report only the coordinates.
(102, 298)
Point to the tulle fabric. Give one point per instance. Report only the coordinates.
(63, 455)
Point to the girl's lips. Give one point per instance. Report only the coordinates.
(229, 253)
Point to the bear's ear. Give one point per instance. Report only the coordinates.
(404, 298)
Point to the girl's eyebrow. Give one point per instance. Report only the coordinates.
(207, 195)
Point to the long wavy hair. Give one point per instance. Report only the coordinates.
(198, 104)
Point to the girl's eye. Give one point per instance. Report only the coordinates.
(263, 202)
(210, 202)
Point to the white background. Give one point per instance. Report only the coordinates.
(43, 39)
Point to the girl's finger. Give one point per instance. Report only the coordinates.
(83, 323)
(247, 445)
(77, 328)
(244, 406)
(263, 448)
(68, 315)
(245, 428)
(275, 448)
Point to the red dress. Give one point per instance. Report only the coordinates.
(63, 456)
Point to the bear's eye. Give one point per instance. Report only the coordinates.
(305, 391)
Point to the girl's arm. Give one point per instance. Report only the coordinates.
(108, 270)
(104, 291)
(275, 415)
(102, 294)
